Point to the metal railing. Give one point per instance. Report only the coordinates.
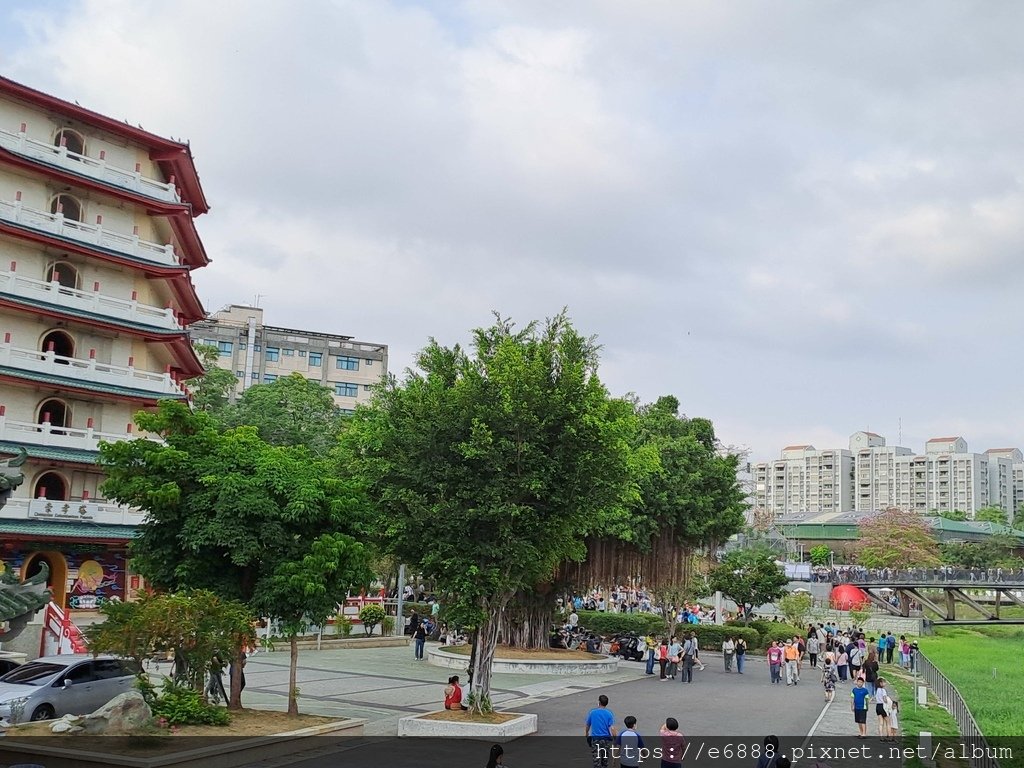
(979, 576)
(974, 744)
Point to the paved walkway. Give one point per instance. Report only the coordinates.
(718, 708)
(382, 685)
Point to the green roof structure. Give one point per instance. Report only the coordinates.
(19, 601)
(50, 453)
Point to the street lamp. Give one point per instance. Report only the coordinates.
(832, 559)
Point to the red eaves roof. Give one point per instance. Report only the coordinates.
(173, 157)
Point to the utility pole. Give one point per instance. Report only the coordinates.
(399, 618)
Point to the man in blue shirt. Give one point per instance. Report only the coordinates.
(600, 731)
(859, 705)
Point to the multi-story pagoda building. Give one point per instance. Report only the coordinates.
(97, 246)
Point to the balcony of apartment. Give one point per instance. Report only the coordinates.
(54, 435)
(83, 510)
(70, 228)
(62, 156)
(49, 363)
(96, 302)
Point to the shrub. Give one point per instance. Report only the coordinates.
(371, 615)
(344, 625)
(387, 625)
(182, 705)
(768, 631)
(615, 623)
(711, 636)
(423, 609)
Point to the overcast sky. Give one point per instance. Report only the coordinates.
(801, 218)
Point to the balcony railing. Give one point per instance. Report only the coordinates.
(54, 436)
(81, 510)
(89, 370)
(89, 234)
(88, 301)
(100, 170)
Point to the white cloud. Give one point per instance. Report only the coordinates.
(799, 219)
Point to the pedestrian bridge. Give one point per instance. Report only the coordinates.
(944, 592)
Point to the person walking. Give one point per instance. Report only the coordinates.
(882, 705)
(791, 654)
(661, 654)
(829, 677)
(629, 742)
(813, 647)
(890, 647)
(689, 658)
(775, 659)
(419, 635)
(741, 653)
(496, 758)
(842, 662)
(894, 713)
(870, 672)
(728, 653)
(859, 706)
(600, 732)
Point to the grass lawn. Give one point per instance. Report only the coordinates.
(984, 663)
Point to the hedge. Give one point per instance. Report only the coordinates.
(616, 623)
(769, 630)
(711, 636)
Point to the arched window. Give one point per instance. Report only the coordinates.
(60, 343)
(52, 486)
(68, 206)
(73, 140)
(63, 272)
(54, 412)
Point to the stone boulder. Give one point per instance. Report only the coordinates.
(122, 714)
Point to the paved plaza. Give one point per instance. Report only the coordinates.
(383, 684)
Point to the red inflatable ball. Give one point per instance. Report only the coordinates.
(846, 596)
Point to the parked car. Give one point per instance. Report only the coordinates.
(53, 686)
(6, 665)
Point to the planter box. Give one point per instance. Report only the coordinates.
(417, 725)
(198, 752)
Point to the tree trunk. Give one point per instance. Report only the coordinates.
(293, 667)
(527, 622)
(486, 642)
(235, 680)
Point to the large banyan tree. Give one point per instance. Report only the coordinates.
(689, 502)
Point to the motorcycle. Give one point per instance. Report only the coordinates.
(629, 646)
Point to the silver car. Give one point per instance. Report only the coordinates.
(52, 686)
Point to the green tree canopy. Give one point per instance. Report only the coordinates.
(290, 411)
(749, 577)
(489, 467)
(689, 498)
(820, 555)
(896, 539)
(211, 391)
(224, 509)
(991, 515)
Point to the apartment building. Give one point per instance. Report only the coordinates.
(803, 478)
(98, 243)
(259, 354)
(946, 477)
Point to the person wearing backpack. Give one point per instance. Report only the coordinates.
(741, 653)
